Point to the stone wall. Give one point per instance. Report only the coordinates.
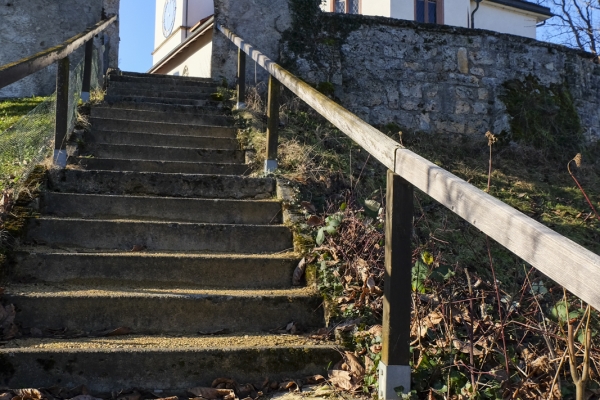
(30, 26)
(260, 22)
(433, 78)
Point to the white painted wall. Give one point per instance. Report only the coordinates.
(402, 9)
(501, 19)
(457, 12)
(197, 57)
(381, 8)
(196, 11)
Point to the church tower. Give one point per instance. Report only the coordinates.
(183, 37)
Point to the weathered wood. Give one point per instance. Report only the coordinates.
(569, 264)
(273, 118)
(561, 259)
(18, 70)
(398, 267)
(87, 70)
(375, 142)
(62, 104)
(241, 80)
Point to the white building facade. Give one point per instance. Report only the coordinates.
(183, 37)
(515, 17)
(184, 28)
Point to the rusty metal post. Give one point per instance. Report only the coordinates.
(87, 71)
(394, 367)
(62, 113)
(241, 81)
(272, 125)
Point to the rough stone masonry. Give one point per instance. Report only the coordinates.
(30, 26)
(422, 77)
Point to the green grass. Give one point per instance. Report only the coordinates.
(22, 140)
(11, 110)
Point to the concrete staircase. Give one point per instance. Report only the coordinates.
(158, 234)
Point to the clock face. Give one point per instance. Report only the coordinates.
(169, 17)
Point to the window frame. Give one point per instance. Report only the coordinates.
(347, 11)
(439, 9)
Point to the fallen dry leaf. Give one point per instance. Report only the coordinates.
(27, 394)
(311, 380)
(309, 207)
(299, 273)
(354, 365)
(211, 393)
(376, 330)
(314, 221)
(341, 379)
(466, 348)
(138, 247)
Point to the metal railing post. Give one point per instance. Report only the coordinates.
(272, 124)
(87, 71)
(62, 113)
(394, 367)
(241, 80)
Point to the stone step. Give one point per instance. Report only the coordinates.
(163, 153)
(159, 184)
(202, 168)
(163, 79)
(152, 139)
(165, 128)
(213, 211)
(116, 91)
(162, 116)
(163, 363)
(173, 311)
(185, 79)
(158, 235)
(161, 86)
(165, 108)
(224, 271)
(130, 98)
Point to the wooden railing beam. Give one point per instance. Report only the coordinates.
(394, 367)
(20, 69)
(87, 71)
(61, 124)
(272, 125)
(241, 81)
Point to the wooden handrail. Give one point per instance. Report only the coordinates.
(564, 261)
(13, 72)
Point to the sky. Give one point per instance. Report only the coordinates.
(136, 22)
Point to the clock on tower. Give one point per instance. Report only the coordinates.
(169, 17)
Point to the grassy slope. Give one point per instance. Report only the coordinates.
(11, 110)
(333, 170)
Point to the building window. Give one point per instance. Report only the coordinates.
(346, 6)
(430, 11)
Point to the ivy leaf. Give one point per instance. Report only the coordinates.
(320, 236)
(427, 257)
(442, 273)
(419, 276)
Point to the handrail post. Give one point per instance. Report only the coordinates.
(394, 367)
(241, 80)
(62, 113)
(272, 125)
(87, 71)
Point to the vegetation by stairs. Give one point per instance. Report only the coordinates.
(157, 232)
